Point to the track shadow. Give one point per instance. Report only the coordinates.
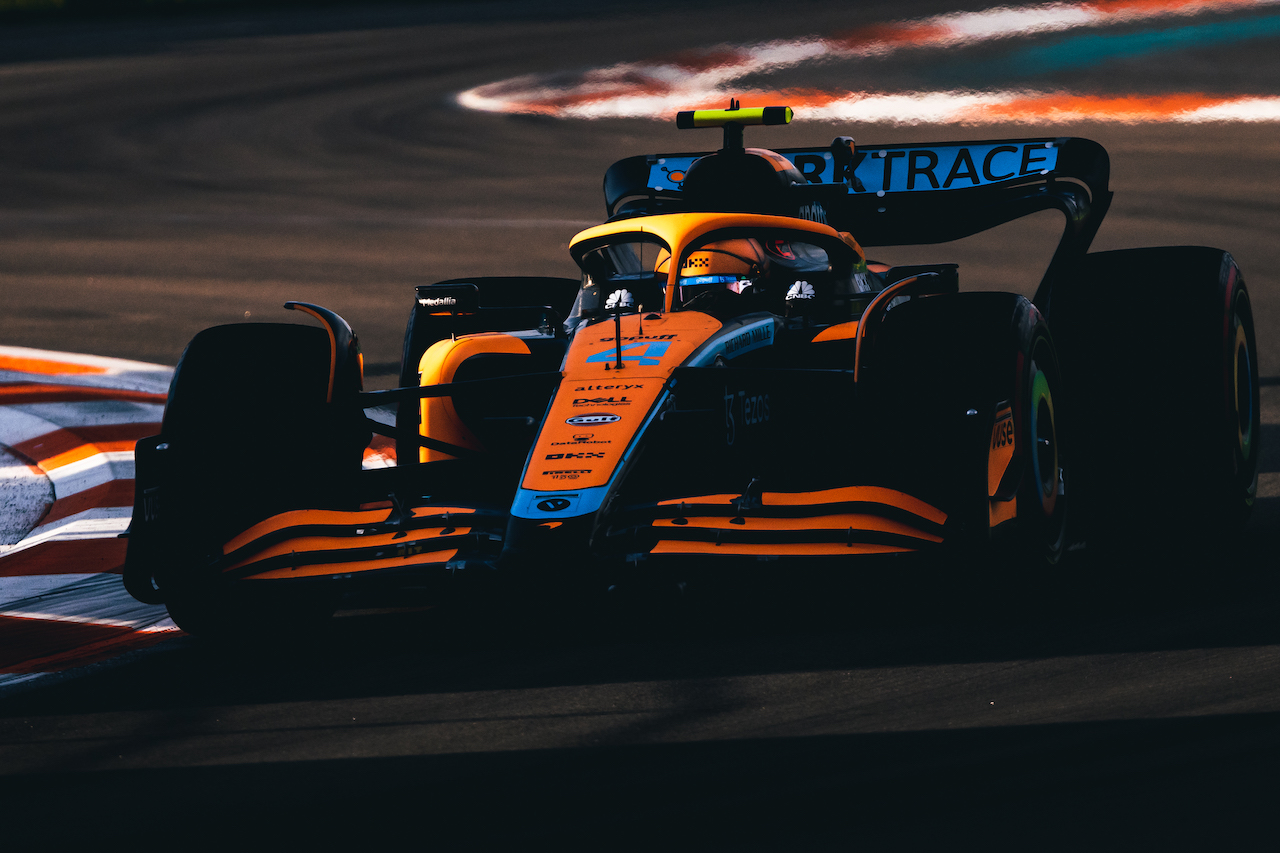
(1150, 785)
(767, 627)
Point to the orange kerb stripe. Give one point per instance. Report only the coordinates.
(424, 559)
(45, 366)
(14, 393)
(67, 556)
(112, 493)
(823, 522)
(800, 549)
(51, 445)
(84, 451)
(55, 646)
(1132, 107)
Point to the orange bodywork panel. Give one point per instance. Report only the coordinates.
(411, 548)
(300, 517)
(845, 494)
(313, 544)
(425, 558)
(838, 332)
(998, 512)
(598, 408)
(999, 456)
(439, 363)
(1001, 452)
(857, 521)
(794, 549)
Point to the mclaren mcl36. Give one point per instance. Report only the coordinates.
(732, 379)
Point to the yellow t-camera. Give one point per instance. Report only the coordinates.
(733, 120)
(719, 118)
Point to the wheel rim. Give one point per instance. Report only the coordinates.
(1044, 455)
(1243, 391)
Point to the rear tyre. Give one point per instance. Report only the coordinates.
(1041, 528)
(1169, 414)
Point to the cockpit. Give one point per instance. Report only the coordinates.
(792, 268)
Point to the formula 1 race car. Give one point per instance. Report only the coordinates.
(732, 380)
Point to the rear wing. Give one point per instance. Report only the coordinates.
(894, 195)
(907, 194)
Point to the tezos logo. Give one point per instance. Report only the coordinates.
(592, 420)
(552, 504)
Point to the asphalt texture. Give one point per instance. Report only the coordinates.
(160, 176)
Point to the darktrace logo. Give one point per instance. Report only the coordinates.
(553, 504)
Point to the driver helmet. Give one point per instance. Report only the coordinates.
(725, 265)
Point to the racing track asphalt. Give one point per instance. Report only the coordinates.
(159, 177)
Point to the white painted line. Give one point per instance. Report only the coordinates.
(97, 523)
(92, 471)
(35, 586)
(16, 421)
(150, 382)
(97, 600)
(17, 425)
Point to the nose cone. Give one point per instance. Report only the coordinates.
(557, 547)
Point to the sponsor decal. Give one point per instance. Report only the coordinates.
(749, 339)
(641, 353)
(618, 300)
(583, 436)
(601, 401)
(640, 338)
(566, 475)
(743, 410)
(583, 455)
(936, 168)
(580, 442)
(437, 301)
(606, 387)
(552, 504)
(592, 420)
(800, 290)
(1002, 433)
